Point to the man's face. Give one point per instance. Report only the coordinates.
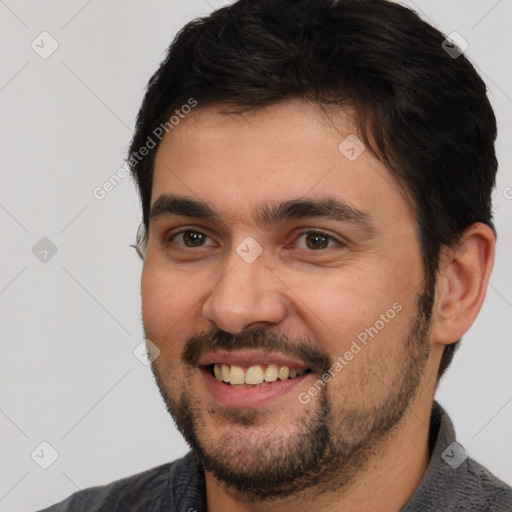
(331, 285)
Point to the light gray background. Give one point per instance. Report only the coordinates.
(69, 326)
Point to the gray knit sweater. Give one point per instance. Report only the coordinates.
(452, 482)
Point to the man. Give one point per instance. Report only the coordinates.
(317, 236)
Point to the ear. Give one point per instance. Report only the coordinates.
(462, 279)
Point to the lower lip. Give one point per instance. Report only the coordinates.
(231, 396)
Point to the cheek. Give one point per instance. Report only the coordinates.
(361, 325)
(168, 304)
(341, 305)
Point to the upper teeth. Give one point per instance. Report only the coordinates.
(254, 374)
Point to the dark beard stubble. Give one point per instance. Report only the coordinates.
(316, 456)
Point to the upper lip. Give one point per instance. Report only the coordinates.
(246, 358)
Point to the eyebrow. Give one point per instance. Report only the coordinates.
(272, 213)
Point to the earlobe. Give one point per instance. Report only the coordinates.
(463, 276)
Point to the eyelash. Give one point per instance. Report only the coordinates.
(170, 238)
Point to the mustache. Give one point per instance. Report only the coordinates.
(309, 354)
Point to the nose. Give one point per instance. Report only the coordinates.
(247, 296)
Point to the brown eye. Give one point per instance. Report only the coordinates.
(189, 238)
(193, 238)
(316, 241)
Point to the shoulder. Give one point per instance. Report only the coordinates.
(453, 481)
(483, 487)
(145, 491)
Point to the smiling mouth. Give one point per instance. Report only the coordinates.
(254, 376)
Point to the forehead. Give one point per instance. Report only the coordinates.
(241, 162)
